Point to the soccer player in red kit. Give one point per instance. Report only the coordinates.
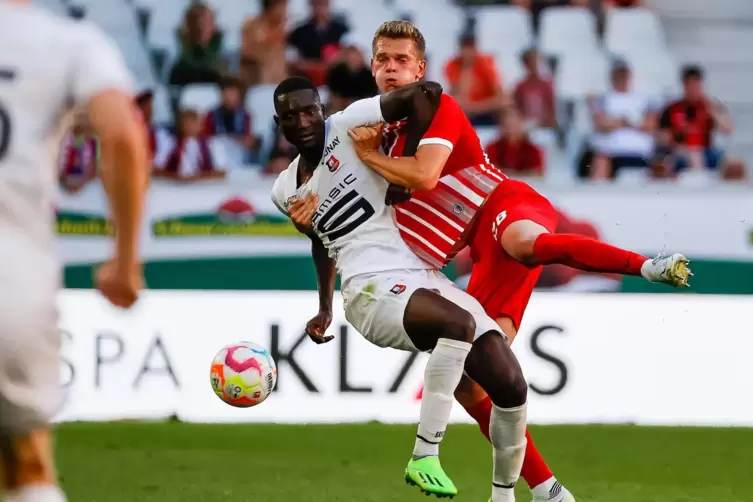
(512, 229)
(459, 198)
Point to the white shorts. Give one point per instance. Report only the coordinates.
(375, 304)
(30, 386)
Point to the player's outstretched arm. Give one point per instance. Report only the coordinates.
(430, 138)
(418, 102)
(392, 106)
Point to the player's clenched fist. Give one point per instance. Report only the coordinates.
(302, 212)
(366, 139)
(318, 325)
(119, 283)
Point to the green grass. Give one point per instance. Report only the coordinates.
(174, 462)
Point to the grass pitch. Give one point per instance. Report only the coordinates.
(174, 462)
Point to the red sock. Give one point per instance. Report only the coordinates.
(482, 413)
(535, 471)
(585, 253)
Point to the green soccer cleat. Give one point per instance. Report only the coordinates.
(427, 474)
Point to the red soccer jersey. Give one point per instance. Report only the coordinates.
(433, 223)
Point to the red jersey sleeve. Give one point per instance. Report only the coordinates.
(446, 127)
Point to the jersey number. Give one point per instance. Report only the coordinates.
(4, 131)
(334, 224)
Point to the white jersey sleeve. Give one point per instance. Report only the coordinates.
(277, 194)
(363, 112)
(284, 188)
(98, 65)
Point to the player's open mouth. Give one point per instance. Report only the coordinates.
(307, 137)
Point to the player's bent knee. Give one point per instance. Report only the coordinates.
(518, 389)
(460, 326)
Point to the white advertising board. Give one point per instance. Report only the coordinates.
(665, 359)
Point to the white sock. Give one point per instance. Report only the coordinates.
(36, 493)
(507, 430)
(548, 490)
(441, 378)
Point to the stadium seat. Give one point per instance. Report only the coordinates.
(165, 18)
(54, 6)
(232, 13)
(200, 97)
(368, 17)
(565, 30)
(260, 104)
(162, 112)
(439, 50)
(581, 75)
(504, 30)
(511, 70)
(109, 14)
(655, 74)
(432, 16)
(633, 31)
(135, 56)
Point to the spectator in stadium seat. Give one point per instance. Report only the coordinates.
(79, 156)
(159, 138)
(315, 43)
(687, 126)
(230, 123)
(263, 43)
(475, 83)
(513, 152)
(200, 59)
(625, 123)
(534, 94)
(350, 79)
(192, 157)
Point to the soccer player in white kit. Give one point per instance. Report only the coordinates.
(392, 297)
(48, 66)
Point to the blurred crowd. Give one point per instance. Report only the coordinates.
(631, 131)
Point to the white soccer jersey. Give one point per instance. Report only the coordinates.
(352, 220)
(48, 66)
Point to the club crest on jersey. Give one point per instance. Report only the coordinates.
(397, 289)
(457, 208)
(332, 164)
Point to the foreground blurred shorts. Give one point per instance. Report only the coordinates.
(30, 384)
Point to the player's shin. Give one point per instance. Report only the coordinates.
(442, 375)
(585, 253)
(493, 365)
(508, 436)
(28, 468)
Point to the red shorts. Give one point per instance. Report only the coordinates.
(498, 281)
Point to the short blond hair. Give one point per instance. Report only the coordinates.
(398, 30)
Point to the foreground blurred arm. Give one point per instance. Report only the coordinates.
(125, 168)
(101, 82)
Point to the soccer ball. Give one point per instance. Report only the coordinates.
(243, 374)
